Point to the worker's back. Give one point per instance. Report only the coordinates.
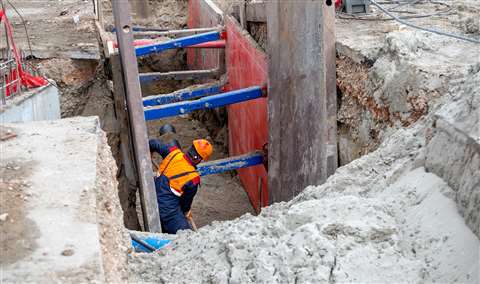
(178, 170)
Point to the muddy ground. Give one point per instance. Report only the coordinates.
(56, 28)
(17, 232)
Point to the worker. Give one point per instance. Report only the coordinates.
(177, 181)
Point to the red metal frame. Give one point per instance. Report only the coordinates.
(248, 122)
(26, 79)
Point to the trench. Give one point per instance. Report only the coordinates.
(220, 196)
(84, 91)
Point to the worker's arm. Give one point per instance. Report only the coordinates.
(159, 147)
(189, 191)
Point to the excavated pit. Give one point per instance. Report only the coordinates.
(221, 196)
(398, 210)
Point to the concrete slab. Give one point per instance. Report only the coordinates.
(37, 104)
(63, 220)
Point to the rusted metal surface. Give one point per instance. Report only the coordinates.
(297, 97)
(151, 218)
(127, 190)
(331, 85)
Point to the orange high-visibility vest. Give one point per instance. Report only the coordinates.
(178, 170)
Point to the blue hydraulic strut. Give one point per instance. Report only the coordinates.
(146, 242)
(223, 99)
(229, 164)
(181, 96)
(177, 43)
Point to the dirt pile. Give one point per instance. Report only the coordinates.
(401, 73)
(381, 218)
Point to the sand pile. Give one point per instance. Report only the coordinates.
(382, 218)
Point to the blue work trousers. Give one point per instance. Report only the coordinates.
(171, 215)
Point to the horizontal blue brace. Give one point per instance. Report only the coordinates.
(177, 43)
(151, 239)
(181, 96)
(230, 164)
(208, 102)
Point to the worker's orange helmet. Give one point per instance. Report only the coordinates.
(203, 148)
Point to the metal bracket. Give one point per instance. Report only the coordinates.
(151, 216)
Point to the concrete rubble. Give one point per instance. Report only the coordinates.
(382, 218)
(406, 212)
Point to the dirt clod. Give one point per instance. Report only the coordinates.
(68, 252)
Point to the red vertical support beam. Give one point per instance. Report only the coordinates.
(247, 122)
(298, 97)
(148, 198)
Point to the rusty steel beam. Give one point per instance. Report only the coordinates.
(256, 12)
(301, 91)
(123, 24)
(331, 85)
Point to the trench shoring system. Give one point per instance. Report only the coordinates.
(299, 73)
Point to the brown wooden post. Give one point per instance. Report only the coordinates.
(143, 163)
(300, 91)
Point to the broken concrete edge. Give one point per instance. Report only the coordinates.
(75, 54)
(25, 95)
(41, 103)
(72, 205)
(114, 239)
(453, 151)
